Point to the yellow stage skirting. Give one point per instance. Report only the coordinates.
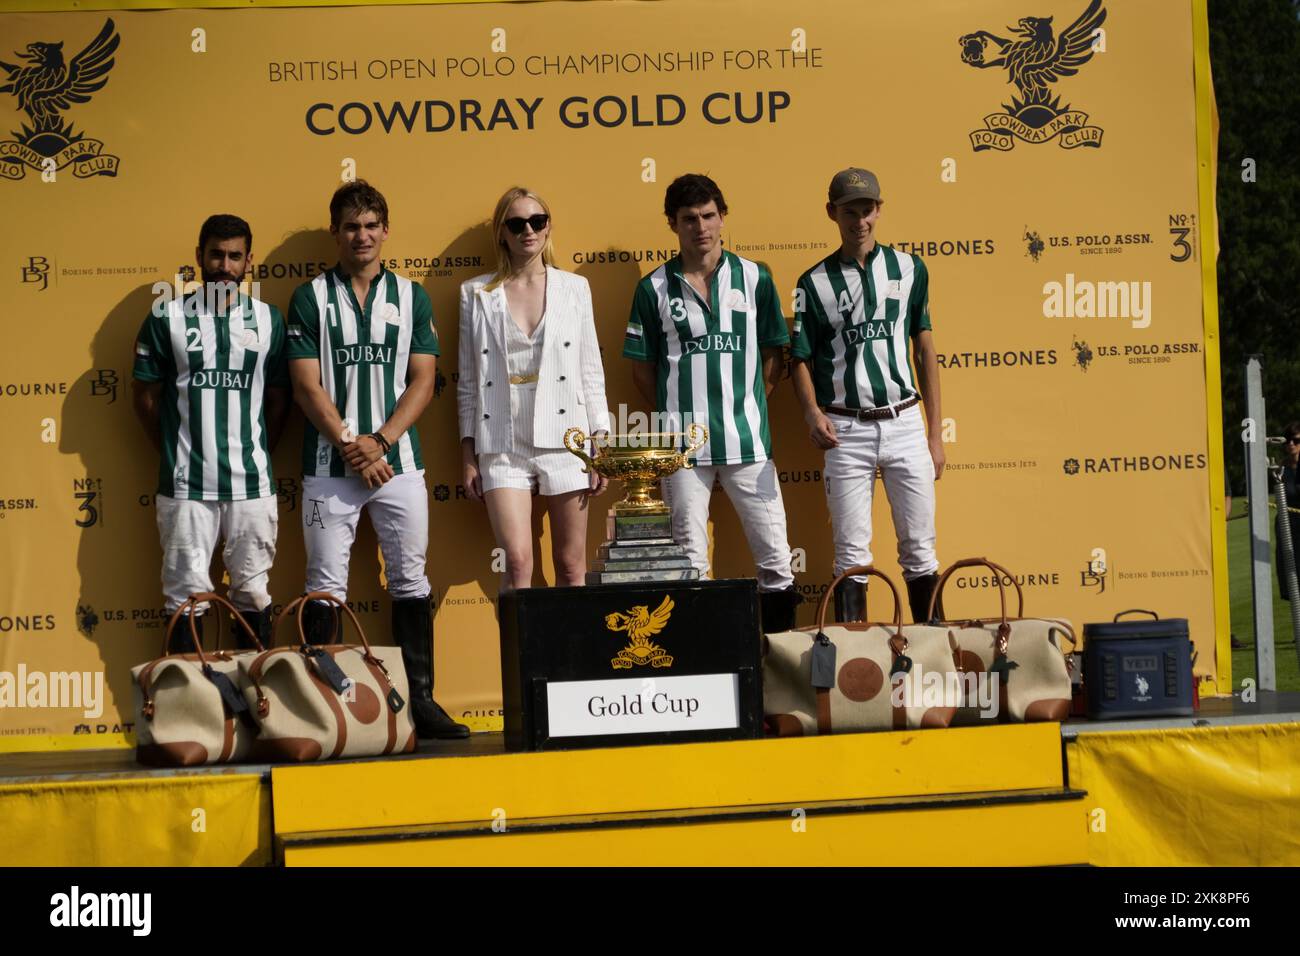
(201, 819)
(1205, 796)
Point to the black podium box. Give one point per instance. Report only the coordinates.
(617, 664)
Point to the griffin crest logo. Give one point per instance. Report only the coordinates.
(641, 624)
(1034, 57)
(45, 85)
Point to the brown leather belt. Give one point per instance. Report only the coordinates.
(872, 414)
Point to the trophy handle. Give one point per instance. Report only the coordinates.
(697, 435)
(575, 440)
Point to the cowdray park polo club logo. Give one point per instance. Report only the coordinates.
(1033, 58)
(641, 624)
(45, 84)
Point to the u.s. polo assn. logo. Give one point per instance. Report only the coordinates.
(1033, 58)
(46, 85)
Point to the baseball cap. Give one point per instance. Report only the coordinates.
(853, 183)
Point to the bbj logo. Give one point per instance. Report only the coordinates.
(641, 624)
(46, 85)
(1034, 57)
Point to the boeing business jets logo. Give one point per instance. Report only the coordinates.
(37, 270)
(46, 85)
(1034, 57)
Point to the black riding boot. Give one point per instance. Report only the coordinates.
(777, 609)
(850, 601)
(413, 631)
(318, 621)
(919, 592)
(260, 622)
(181, 641)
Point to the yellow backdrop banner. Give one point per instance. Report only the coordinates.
(1061, 226)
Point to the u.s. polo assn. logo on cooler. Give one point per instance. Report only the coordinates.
(46, 82)
(1033, 57)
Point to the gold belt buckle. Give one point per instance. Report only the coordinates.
(522, 379)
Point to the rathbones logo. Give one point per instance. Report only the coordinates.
(37, 270)
(1121, 464)
(934, 248)
(221, 378)
(1034, 57)
(1008, 359)
(1084, 299)
(715, 343)
(356, 354)
(45, 85)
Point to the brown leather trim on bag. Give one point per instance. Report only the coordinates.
(227, 740)
(899, 713)
(180, 753)
(824, 711)
(382, 679)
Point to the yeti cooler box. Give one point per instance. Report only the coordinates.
(1138, 668)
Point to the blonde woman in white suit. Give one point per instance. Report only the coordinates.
(529, 369)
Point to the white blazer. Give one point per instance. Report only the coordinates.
(571, 380)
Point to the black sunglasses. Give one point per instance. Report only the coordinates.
(516, 223)
(1293, 441)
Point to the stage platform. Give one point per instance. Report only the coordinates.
(1220, 787)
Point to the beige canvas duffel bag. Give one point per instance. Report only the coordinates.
(315, 702)
(190, 709)
(841, 678)
(1024, 655)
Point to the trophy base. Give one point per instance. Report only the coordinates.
(641, 548)
(641, 576)
(641, 527)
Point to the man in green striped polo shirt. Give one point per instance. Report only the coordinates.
(706, 334)
(856, 313)
(211, 389)
(362, 356)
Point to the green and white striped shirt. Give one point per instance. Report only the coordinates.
(707, 354)
(854, 324)
(214, 370)
(364, 353)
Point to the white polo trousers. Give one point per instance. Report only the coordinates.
(898, 446)
(755, 493)
(399, 510)
(189, 530)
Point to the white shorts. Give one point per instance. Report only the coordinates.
(544, 472)
(399, 511)
(189, 531)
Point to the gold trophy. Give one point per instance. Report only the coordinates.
(640, 545)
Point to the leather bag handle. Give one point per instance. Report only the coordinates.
(867, 569)
(325, 597)
(999, 572)
(192, 602)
